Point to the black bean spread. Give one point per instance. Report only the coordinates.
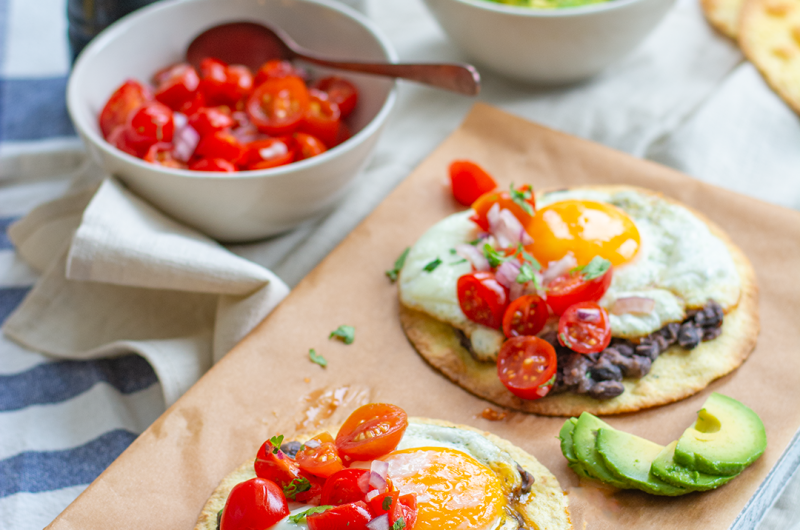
(600, 374)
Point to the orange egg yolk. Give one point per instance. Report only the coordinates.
(454, 491)
(585, 228)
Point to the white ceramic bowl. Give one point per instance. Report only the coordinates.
(233, 206)
(547, 46)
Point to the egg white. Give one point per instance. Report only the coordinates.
(431, 435)
(680, 265)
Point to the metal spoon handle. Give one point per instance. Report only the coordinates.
(461, 78)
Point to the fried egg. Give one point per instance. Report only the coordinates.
(659, 250)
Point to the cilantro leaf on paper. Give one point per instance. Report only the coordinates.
(398, 264)
(346, 334)
(432, 265)
(276, 442)
(296, 518)
(298, 485)
(520, 197)
(317, 358)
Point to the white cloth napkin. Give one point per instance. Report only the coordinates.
(119, 276)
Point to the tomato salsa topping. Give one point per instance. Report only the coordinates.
(223, 118)
(318, 474)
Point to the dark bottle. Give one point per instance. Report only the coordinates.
(87, 18)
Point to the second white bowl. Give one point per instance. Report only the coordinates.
(547, 46)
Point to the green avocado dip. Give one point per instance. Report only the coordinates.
(547, 4)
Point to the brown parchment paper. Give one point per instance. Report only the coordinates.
(268, 385)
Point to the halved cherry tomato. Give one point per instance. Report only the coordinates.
(345, 486)
(212, 164)
(208, 120)
(223, 84)
(344, 134)
(371, 431)
(254, 504)
(405, 508)
(484, 203)
(573, 287)
(273, 464)
(176, 85)
(482, 298)
(585, 328)
(161, 154)
(122, 104)
(308, 146)
(526, 315)
(527, 366)
(354, 516)
(221, 144)
(469, 181)
(272, 152)
(151, 124)
(277, 106)
(322, 117)
(194, 104)
(383, 503)
(319, 456)
(340, 91)
(276, 69)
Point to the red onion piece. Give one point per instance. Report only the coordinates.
(474, 256)
(507, 273)
(506, 227)
(371, 495)
(184, 142)
(633, 304)
(378, 482)
(363, 482)
(313, 444)
(180, 120)
(559, 268)
(380, 468)
(379, 523)
(588, 315)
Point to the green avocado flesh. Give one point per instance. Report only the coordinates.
(567, 447)
(727, 437)
(665, 468)
(629, 458)
(584, 438)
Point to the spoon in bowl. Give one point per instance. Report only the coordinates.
(253, 44)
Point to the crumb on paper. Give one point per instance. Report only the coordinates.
(307, 380)
(493, 415)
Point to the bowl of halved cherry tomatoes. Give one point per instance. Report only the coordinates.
(237, 153)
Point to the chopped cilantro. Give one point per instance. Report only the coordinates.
(276, 442)
(432, 265)
(399, 524)
(595, 268)
(564, 339)
(549, 382)
(298, 485)
(317, 358)
(520, 197)
(462, 260)
(494, 257)
(527, 274)
(452, 251)
(527, 257)
(387, 503)
(346, 334)
(398, 264)
(296, 518)
(219, 517)
(475, 241)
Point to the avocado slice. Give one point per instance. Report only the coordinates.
(629, 458)
(584, 439)
(567, 447)
(665, 468)
(727, 437)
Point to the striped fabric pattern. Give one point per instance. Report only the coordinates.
(61, 422)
